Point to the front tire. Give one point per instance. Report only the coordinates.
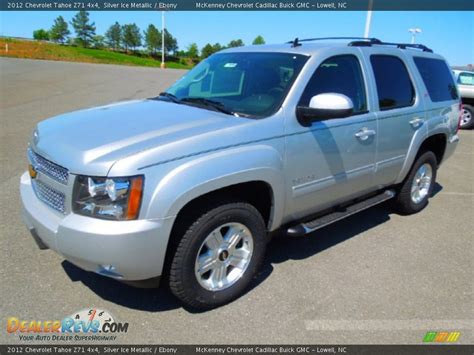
(418, 186)
(218, 256)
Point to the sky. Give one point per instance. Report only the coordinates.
(450, 34)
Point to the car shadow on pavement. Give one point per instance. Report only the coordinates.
(144, 299)
(280, 249)
(283, 247)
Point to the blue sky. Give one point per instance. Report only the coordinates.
(448, 33)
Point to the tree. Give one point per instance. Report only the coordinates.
(131, 36)
(206, 51)
(41, 35)
(113, 36)
(193, 51)
(85, 31)
(98, 41)
(258, 40)
(236, 43)
(59, 31)
(152, 39)
(209, 49)
(171, 43)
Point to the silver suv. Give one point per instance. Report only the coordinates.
(189, 184)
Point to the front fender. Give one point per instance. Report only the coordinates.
(200, 175)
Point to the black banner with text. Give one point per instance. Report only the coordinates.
(236, 5)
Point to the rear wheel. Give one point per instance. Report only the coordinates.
(418, 186)
(218, 256)
(467, 120)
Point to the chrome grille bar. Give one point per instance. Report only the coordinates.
(48, 168)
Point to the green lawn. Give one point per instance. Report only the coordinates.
(51, 51)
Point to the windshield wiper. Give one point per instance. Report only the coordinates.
(169, 96)
(201, 101)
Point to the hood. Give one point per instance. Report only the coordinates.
(90, 141)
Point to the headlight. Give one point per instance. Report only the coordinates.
(108, 198)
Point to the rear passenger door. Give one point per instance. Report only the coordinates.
(400, 112)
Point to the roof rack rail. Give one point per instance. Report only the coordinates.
(398, 45)
(362, 42)
(297, 42)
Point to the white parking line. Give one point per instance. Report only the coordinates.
(389, 324)
(453, 193)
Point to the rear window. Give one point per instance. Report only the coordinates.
(394, 86)
(438, 79)
(466, 79)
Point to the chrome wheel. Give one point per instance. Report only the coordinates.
(224, 256)
(421, 183)
(466, 117)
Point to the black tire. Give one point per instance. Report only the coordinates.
(403, 202)
(182, 279)
(470, 111)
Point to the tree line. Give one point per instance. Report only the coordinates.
(127, 38)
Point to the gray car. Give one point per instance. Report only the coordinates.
(290, 137)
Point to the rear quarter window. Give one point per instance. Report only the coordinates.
(437, 78)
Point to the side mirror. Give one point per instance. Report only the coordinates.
(324, 107)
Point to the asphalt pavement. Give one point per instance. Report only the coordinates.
(375, 277)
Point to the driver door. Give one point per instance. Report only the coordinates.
(332, 160)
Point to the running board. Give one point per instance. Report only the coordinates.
(320, 222)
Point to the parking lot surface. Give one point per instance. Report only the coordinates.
(375, 277)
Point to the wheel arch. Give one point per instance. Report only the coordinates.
(435, 142)
(218, 173)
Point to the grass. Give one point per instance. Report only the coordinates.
(50, 51)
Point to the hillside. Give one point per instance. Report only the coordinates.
(50, 51)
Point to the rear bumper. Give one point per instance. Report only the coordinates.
(124, 250)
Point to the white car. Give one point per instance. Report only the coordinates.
(465, 82)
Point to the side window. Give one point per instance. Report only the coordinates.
(341, 75)
(394, 86)
(466, 79)
(438, 78)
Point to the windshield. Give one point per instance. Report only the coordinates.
(245, 84)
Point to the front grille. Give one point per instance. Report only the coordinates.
(46, 167)
(50, 196)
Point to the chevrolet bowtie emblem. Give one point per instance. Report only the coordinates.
(32, 171)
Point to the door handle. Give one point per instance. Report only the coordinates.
(365, 133)
(416, 122)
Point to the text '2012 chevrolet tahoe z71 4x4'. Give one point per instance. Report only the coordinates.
(253, 139)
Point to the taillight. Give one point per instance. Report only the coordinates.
(460, 116)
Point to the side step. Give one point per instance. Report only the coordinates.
(320, 222)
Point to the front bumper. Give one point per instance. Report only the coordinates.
(125, 250)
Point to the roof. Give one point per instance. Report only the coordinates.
(312, 46)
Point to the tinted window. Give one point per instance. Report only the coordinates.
(438, 79)
(394, 86)
(466, 79)
(341, 75)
